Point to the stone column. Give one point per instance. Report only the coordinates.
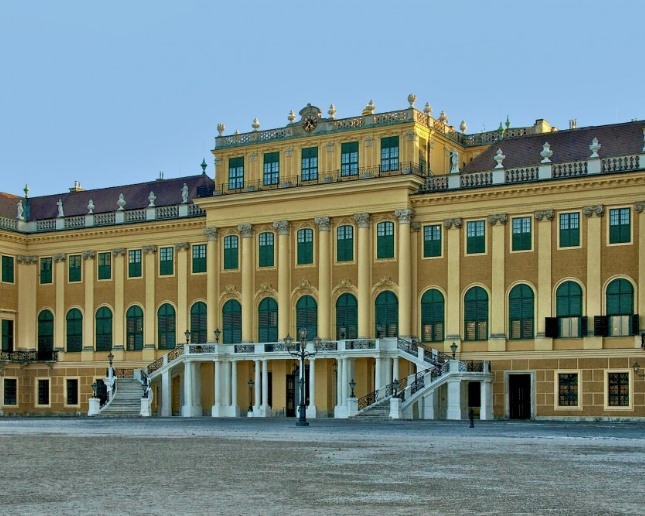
(324, 278)
(118, 268)
(166, 394)
(594, 261)
(60, 281)
(453, 301)
(339, 382)
(454, 399)
(497, 340)
(258, 401)
(234, 410)
(363, 220)
(197, 389)
(88, 317)
(212, 289)
(395, 369)
(346, 380)
(486, 403)
(246, 232)
(188, 389)
(150, 337)
(311, 408)
(378, 373)
(284, 267)
(26, 316)
(414, 261)
(543, 231)
(265, 389)
(405, 272)
(387, 362)
(639, 208)
(217, 387)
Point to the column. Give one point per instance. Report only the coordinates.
(395, 369)
(454, 399)
(497, 341)
(405, 272)
(181, 251)
(234, 410)
(414, 254)
(266, 409)
(639, 208)
(197, 389)
(256, 406)
(188, 389)
(59, 278)
(324, 278)
(387, 362)
(149, 337)
(378, 373)
(339, 382)
(363, 220)
(88, 318)
(453, 303)
(25, 330)
(543, 231)
(486, 400)
(212, 273)
(284, 266)
(246, 232)
(217, 387)
(594, 283)
(346, 380)
(166, 394)
(311, 408)
(118, 259)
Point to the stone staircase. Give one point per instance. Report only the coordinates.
(126, 401)
(377, 411)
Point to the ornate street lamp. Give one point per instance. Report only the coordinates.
(298, 349)
(187, 335)
(395, 385)
(637, 368)
(453, 348)
(94, 387)
(352, 384)
(251, 384)
(110, 358)
(217, 334)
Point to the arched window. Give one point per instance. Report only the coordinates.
(520, 312)
(166, 327)
(620, 308)
(103, 329)
(387, 315)
(305, 246)
(307, 316)
(476, 314)
(268, 320)
(568, 309)
(74, 330)
(432, 310)
(385, 240)
(134, 328)
(45, 335)
(232, 322)
(198, 323)
(346, 317)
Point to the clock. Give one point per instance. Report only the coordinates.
(309, 123)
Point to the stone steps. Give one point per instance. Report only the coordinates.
(377, 411)
(126, 401)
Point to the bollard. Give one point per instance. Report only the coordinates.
(471, 417)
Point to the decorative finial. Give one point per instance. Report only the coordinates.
(443, 118)
(499, 157)
(546, 153)
(237, 132)
(332, 112)
(594, 148)
(463, 126)
(121, 202)
(370, 108)
(152, 198)
(61, 213)
(90, 207)
(500, 132)
(220, 129)
(291, 117)
(26, 190)
(203, 165)
(428, 109)
(255, 124)
(508, 122)
(412, 98)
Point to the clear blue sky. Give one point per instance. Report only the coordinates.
(110, 93)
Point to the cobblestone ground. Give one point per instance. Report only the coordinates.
(205, 466)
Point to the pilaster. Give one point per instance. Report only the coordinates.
(212, 274)
(284, 312)
(497, 339)
(246, 232)
(363, 220)
(414, 264)
(594, 286)
(324, 278)
(181, 251)
(149, 336)
(453, 305)
(88, 319)
(26, 316)
(118, 262)
(405, 273)
(639, 208)
(59, 275)
(543, 220)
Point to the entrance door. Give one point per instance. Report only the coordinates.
(475, 397)
(519, 396)
(176, 396)
(291, 396)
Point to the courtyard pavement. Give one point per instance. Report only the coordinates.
(205, 466)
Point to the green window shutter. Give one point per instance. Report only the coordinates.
(521, 234)
(385, 240)
(432, 316)
(389, 153)
(620, 298)
(103, 331)
(7, 269)
(166, 261)
(271, 168)
(166, 327)
(431, 241)
(236, 173)
(387, 314)
(345, 244)
(346, 317)
(476, 314)
(45, 270)
(134, 329)
(309, 164)
(74, 267)
(199, 258)
(568, 300)
(198, 323)
(232, 322)
(475, 237)
(266, 252)
(307, 316)
(349, 159)
(268, 320)
(134, 263)
(231, 252)
(105, 266)
(305, 246)
(619, 226)
(74, 330)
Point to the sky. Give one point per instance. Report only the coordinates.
(112, 93)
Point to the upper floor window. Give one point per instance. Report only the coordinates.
(520, 312)
(199, 258)
(568, 309)
(105, 266)
(230, 252)
(198, 323)
(268, 320)
(620, 307)
(305, 246)
(432, 315)
(345, 243)
(166, 327)
(45, 271)
(521, 234)
(432, 241)
(232, 322)
(7, 269)
(476, 314)
(385, 240)
(475, 237)
(134, 263)
(349, 159)
(74, 267)
(569, 229)
(134, 328)
(310, 164)
(103, 329)
(7, 335)
(266, 258)
(74, 330)
(166, 261)
(271, 168)
(619, 226)
(235, 173)
(390, 153)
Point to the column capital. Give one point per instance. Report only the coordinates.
(449, 223)
(639, 206)
(211, 233)
(27, 260)
(182, 246)
(322, 222)
(404, 216)
(415, 226)
(282, 226)
(246, 230)
(547, 215)
(598, 209)
(363, 220)
(147, 249)
(118, 252)
(88, 255)
(59, 257)
(502, 218)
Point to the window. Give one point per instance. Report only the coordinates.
(74, 335)
(7, 335)
(230, 252)
(71, 391)
(104, 329)
(346, 317)
(42, 388)
(387, 315)
(166, 331)
(385, 240)
(475, 237)
(266, 250)
(45, 335)
(476, 314)
(567, 389)
(389, 153)
(105, 266)
(271, 168)
(235, 173)
(618, 389)
(45, 271)
(349, 159)
(134, 329)
(307, 316)
(199, 258)
(431, 241)
(345, 243)
(305, 246)
(7, 269)
(569, 229)
(619, 226)
(568, 309)
(432, 311)
(134, 263)
(198, 323)
(310, 164)
(74, 267)
(520, 312)
(10, 391)
(521, 234)
(232, 322)
(620, 307)
(166, 261)
(268, 320)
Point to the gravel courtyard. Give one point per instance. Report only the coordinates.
(176, 466)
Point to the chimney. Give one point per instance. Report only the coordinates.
(76, 188)
(573, 123)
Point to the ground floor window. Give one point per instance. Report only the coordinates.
(71, 389)
(618, 389)
(43, 392)
(568, 389)
(10, 389)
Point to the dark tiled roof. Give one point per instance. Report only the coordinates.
(167, 191)
(570, 145)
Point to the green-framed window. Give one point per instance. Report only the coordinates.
(345, 243)
(105, 266)
(385, 240)
(232, 322)
(166, 261)
(432, 241)
(271, 168)
(476, 314)
(475, 237)
(7, 335)
(349, 159)
(309, 164)
(432, 316)
(618, 389)
(568, 309)
(521, 234)
(71, 391)
(231, 252)
(568, 389)
(45, 271)
(134, 329)
(74, 267)
(268, 320)
(619, 226)
(198, 323)
(103, 329)
(45, 335)
(305, 239)
(235, 173)
(389, 153)
(569, 229)
(307, 316)
(7, 269)
(521, 312)
(42, 389)
(620, 307)
(10, 389)
(266, 249)
(199, 258)
(134, 263)
(386, 314)
(346, 317)
(166, 326)
(74, 337)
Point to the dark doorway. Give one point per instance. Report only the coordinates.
(474, 397)
(519, 396)
(293, 391)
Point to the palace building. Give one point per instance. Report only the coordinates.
(424, 272)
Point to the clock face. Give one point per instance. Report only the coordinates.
(309, 123)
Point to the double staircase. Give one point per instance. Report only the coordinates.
(126, 402)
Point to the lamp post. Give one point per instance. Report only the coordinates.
(251, 384)
(298, 349)
(217, 334)
(637, 368)
(453, 348)
(187, 335)
(110, 358)
(352, 384)
(94, 388)
(395, 386)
